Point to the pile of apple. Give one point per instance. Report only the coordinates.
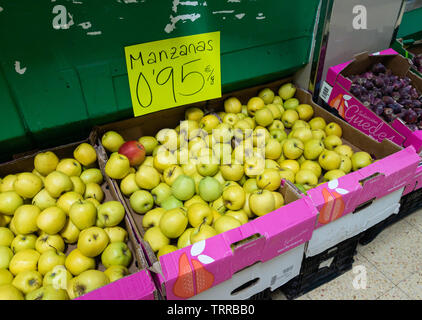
(55, 230)
(216, 171)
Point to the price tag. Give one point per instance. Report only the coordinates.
(173, 72)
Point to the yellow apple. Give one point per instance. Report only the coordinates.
(85, 154)
(27, 185)
(46, 162)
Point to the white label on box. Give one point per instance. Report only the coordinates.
(325, 92)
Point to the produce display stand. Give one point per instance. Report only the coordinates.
(139, 284)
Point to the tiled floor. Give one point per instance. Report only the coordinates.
(392, 263)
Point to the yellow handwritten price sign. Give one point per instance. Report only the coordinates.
(173, 72)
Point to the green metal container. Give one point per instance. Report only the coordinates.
(57, 82)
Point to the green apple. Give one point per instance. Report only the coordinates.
(47, 293)
(183, 187)
(287, 91)
(116, 234)
(128, 185)
(161, 193)
(44, 200)
(46, 162)
(70, 167)
(6, 237)
(6, 255)
(149, 143)
(267, 95)
(329, 160)
(155, 238)
(291, 104)
(23, 260)
(67, 199)
(70, 233)
(333, 129)
(345, 164)
(254, 104)
(238, 214)
(141, 201)
(306, 178)
(116, 272)
(9, 202)
(269, 179)
(46, 242)
(57, 183)
(27, 281)
(93, 175)
(112, 141)
(199, 213)
(332, 141)
(92, 241)
(147, 177)
(27, 185)
(344, 150)
(278, 134)
(184, 240)
(261, 202)
(21, 242)
(273, 149)
(232, 105)
(88, 281)
(58, 277)
(202, 232)
(234, 197)
(171, 203)
(312, 166)
(173, 222)
(7, 183)
(209, 122)
(360, 159)
(117, 166)
(111, 213)
(225, 223)
(94, 190)
(49, 259)
(10, 292)
(83, 214)
(116, 253)
(333, 174)
(312, 149)
(317, 123)
(293, 148)
(51, 220)
(6, 276)
(76, 262)
(305, 111)
(319, 134)
(26, 218)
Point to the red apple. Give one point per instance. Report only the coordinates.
(134, 151)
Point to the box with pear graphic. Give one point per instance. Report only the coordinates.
(64, 230)
(206, 229)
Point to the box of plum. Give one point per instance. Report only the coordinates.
(378, 94)
(63, 235)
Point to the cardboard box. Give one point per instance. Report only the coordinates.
(335, 92)
(120, 289)
(353, 224)
(394, 169)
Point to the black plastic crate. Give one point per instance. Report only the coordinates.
(408, 204)
(322, 268)
(263, 295)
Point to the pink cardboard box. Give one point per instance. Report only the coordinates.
(198, 267)
(335, 92)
